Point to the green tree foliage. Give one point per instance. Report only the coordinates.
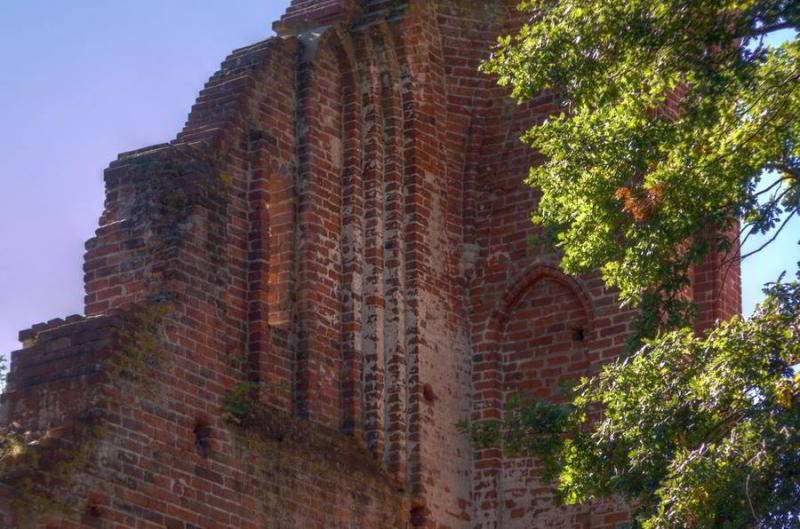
(678, 121)
(679, 126)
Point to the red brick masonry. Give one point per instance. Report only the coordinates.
(290, 306)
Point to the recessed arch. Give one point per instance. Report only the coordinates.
(525, 281)
(526, 349)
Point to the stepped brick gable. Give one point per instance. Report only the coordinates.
(291, 305)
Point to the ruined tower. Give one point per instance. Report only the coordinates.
(291, 305)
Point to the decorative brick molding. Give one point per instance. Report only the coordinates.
(309, 14)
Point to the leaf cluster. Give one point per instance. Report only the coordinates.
(677, 123)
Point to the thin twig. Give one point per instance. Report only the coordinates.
(749, 501)
(775, 236)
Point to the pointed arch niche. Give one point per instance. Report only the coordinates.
(537, 340)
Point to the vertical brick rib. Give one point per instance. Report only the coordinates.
(394, 310)
(352, 244)
(426, 255)
(318, 307)
(258, 256)
(277, 110)
(412, 253)
(270, 157)
(486, 384)
(373, 308)
(301, 375)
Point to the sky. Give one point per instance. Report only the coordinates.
(83, 80)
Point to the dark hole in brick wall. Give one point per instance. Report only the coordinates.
(428, 394)
(260, 135)
(578, 334)
(202, 439)
(91, 516)
(418, 516)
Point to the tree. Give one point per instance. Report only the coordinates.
(675, 116)
(680, 126)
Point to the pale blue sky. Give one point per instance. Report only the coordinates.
(82, 80)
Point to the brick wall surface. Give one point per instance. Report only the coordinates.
(291, 305)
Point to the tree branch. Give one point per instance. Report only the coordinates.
(772, 239)
(771, 186)
(765, 30)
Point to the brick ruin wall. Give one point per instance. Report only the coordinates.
(291, 305)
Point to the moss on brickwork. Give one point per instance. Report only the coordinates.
(256, 422)
(39, 467)
(140, 344)
(33, 466)
(241, 404)
(291, 449)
